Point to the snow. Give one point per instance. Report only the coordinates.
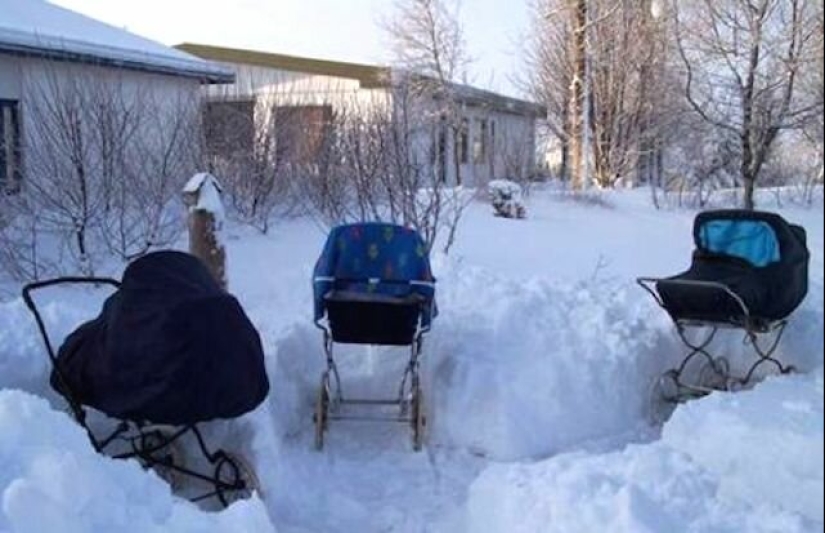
(208, 190)
(747, 462)
(51, 480)
(536, 379)
(40, 25)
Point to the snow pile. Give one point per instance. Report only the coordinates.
(24, 361)
(51, 480)
(506, 197)
(765, 445)
(527, 369)
(749, 462)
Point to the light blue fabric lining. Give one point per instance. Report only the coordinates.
(752, 240)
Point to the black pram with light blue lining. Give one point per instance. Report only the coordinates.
(758, 256)
(749, 272)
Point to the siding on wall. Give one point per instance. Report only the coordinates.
(9, 78)
(509, 142)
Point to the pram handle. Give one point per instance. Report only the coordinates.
(67, 280)
(649, 284)
(374, 281)
(29, 301)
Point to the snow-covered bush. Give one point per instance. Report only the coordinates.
(506, 197)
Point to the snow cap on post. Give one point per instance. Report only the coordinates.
(202, 195)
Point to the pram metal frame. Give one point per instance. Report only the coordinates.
(138, 435)
(331, 397)
(719, 366)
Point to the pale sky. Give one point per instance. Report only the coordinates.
(344, 30)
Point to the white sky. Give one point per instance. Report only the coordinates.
(345, 30)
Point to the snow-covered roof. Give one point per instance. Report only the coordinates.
(40, 29)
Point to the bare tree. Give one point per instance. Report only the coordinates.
(549, 71)
(431, 56)
(578, 79)
(742, 61)
(104, 158)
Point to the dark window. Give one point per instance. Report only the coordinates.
(480, 144)
(442, 151)
(229, 127)
(301, 133)
(492, 149)
(464, 142)
(10, 167)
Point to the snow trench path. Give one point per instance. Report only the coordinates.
(537, 370)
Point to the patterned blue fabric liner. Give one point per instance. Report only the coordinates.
(375, 258)
(752, 240)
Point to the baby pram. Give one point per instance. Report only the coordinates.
(373, 285)
(169, 350)
(749, 272)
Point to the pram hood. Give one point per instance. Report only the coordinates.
(375, 258)
(757, 255)
(170, 346)
(759, 237)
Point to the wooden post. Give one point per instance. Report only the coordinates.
(202, 195)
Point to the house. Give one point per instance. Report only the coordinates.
(296, 97)
(51, 57)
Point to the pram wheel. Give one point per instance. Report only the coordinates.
(716, 374)
(159, 450)
(664, 396)
(234, 479)
(321, 411)
(418, 419)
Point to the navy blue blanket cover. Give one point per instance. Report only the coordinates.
(375, 260)
(169, 347)
(758, 255)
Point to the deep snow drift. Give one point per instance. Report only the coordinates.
(536, 377)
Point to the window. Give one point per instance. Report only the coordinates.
(229, 127)
(10, 169)
(480, 143)
(302, 133)
(464, 142)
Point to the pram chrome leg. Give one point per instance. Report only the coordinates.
(670, 389)
(713, 374)
(764, 353)
(409, 401)
(157, 448)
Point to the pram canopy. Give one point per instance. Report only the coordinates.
(757, 255)
(169, 347)
(377, 268)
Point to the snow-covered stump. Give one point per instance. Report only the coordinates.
(202, 195)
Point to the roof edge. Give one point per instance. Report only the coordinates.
(131, 60)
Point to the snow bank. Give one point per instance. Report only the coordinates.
(765, 445)
(527, 369)
(746, 462)
(51, 481)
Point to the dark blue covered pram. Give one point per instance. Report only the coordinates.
(373, 285)
(749, 272)
(169, 350)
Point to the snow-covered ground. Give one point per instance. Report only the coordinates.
(536, 379)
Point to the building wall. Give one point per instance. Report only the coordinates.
(46, 91)
(10, 78)
(508, 145)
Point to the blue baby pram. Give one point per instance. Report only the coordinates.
(373, 285)
(749, 272)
